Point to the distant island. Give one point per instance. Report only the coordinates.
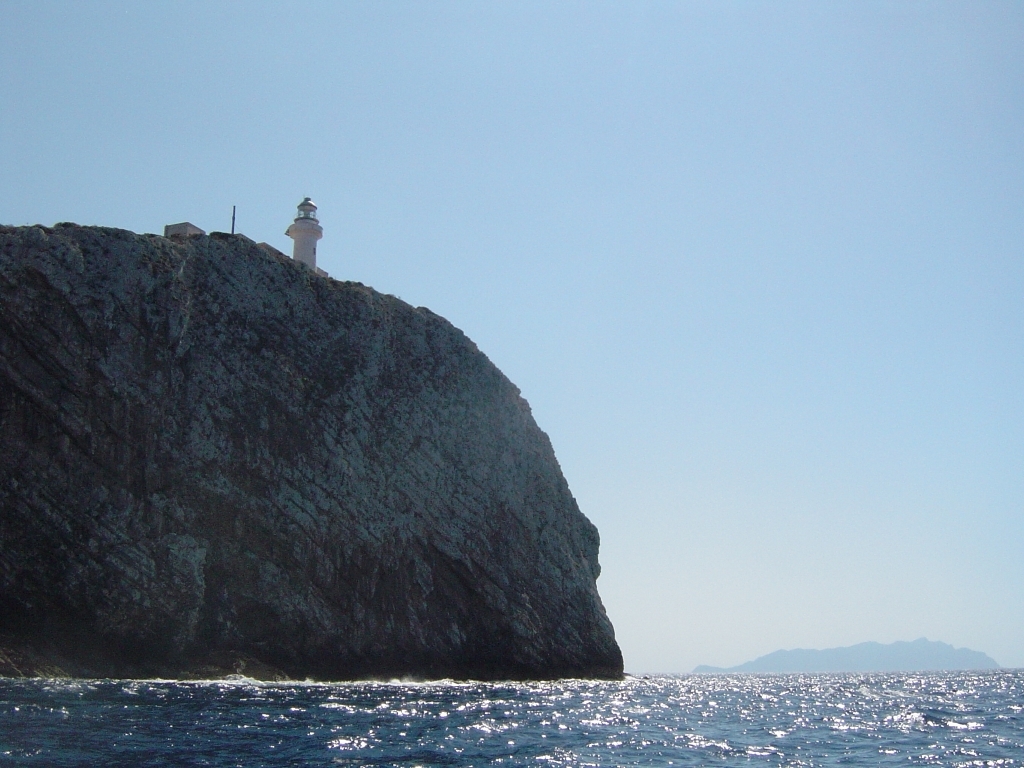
(918, 656)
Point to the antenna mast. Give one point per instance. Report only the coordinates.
(232, 219)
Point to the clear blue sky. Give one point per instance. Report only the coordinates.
(757, 267)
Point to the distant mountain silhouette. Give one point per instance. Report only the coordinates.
(920, 655)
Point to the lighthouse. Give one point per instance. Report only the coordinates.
(305, 231)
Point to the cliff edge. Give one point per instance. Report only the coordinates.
(214, 461)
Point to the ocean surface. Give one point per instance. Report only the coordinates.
(934, 719)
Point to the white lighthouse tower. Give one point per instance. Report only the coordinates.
(305, 231)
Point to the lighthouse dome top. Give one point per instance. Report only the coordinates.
(307, 209)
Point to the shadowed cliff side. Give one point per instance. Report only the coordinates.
(213, 460)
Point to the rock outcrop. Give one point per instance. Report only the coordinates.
(212, 460)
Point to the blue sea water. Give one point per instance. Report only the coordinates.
(944, 719)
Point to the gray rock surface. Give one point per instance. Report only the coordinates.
(901, 656)
(212, 460)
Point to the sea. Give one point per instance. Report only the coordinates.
(907, 719)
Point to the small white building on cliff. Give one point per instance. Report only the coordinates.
(184, 229)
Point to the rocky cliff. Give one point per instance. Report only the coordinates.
(212, 460)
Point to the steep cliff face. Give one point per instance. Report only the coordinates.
(211, 459)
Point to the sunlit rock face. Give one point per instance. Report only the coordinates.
(214, 460)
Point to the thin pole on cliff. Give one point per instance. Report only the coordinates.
(232, 219)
